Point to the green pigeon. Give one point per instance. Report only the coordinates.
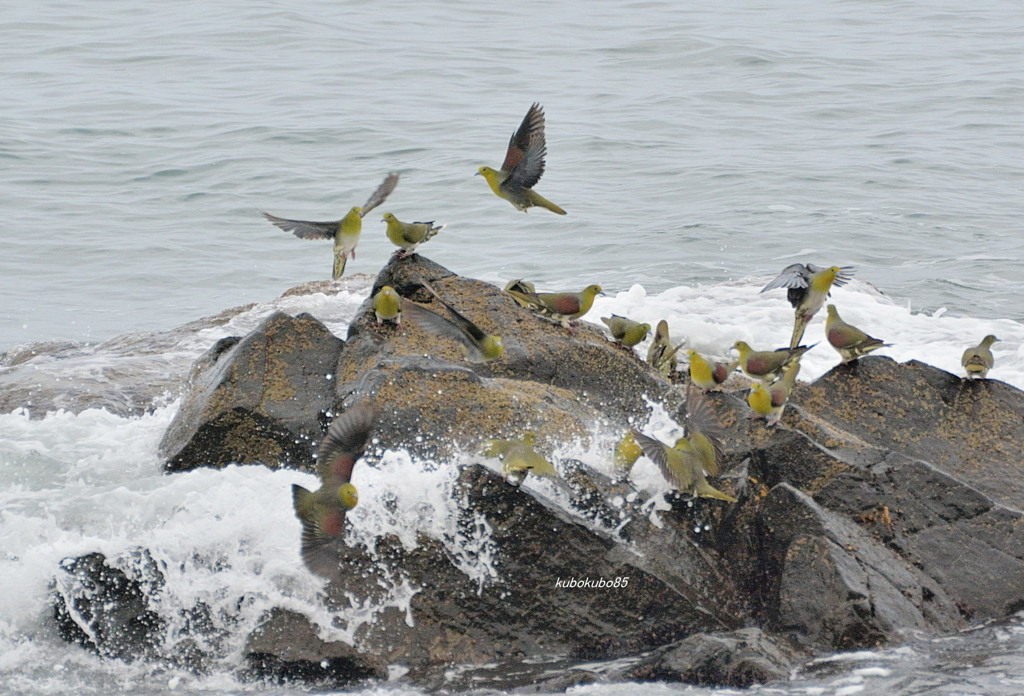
(523, 165)
(708, 374)
(808, 287)
(661, 355)
(681, 465)
(322, 512)
(769, 400)
(767, 365)
(977, 361)
(409, 235)
(345, 232)
(626, 331)
(518, 457)
(387, 306)
(849, 341)
(561, 306)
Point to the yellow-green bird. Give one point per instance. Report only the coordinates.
(808, 287)
(387, 306)
(409, 235)
(322, 512)
(561, 306)
(977, 361)
(626, 331)
(849, 341)
(769, 400)
(708, 374)
(523, 165)
(662, 355)
(627, 451)
(681, 465)
(703, 430)
(345, 232)
(477, 345)
(767, 365)
(518, 457)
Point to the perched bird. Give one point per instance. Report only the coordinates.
(322, 512)
(627, 451)
(767, 365)
(807, 288)
(769, 400)
(387, 305)
(518, 457)
(409, 235)
(661, 355)
(707, 374)
(523, 165)
(978, 360)
(477, 345)
(344, 232)
(626, 331)
(849, 341)
(681, 466)
(561, 306)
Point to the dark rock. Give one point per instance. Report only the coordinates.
(102, 608)
(261, 399)
(739, 658)
(286, 647)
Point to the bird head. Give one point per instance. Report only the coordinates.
(989, 340)
(388, 217)
(741, 346)
(492, 347)
(348, 495)
(832, 311)
(485, 171)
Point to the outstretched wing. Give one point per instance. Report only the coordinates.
(524, 160)
(344, 442)
(305, 229)
(382, 192)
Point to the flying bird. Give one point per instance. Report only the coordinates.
(345, 232)
(523, 165)
(322, 512)
(807, 288)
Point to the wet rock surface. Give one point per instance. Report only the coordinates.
(883, 505)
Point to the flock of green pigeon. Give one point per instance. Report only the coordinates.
(685, 464)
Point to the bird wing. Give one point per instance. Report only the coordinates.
(560, 302)
(305, 229)
(344, 443)
(795, 275)
(843, 277)
(467, 326)
(434, 323)
(655, 450)
(701, 418)
(524, 159)
(382, 192)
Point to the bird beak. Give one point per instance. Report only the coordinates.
(476, 173)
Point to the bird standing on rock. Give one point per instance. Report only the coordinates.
(808, 287)
(387, 306)
(409, 235)
(767, 365)
(661, 355)
(626, 331)
(345, 232)
(769, 401)
(561, 306)
(707, 374)
(322, 512)
(978, 361)
(523, 165)
(849, 341)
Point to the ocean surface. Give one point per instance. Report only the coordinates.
(697, 150)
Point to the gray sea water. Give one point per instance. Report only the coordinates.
(698, 148)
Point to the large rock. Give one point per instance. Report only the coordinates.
(883, 504)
